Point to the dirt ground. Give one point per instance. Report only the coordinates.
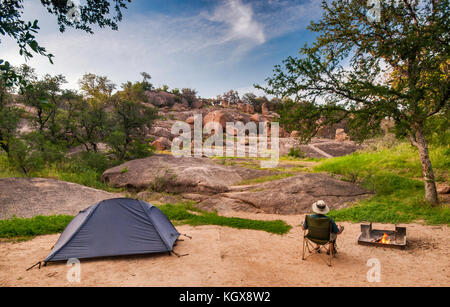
(221, 256)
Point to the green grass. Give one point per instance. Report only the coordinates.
(27, 228)
(306, 159)
(392, 174)
(179, 214)
(401, 160)
(255, 163)
(68, 170)
(394, 209)
(186, 213)
(266, 178)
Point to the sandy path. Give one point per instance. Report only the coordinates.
(220, 256)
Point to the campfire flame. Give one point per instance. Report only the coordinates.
(385, 239)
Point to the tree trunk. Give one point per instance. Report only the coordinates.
(427, 170)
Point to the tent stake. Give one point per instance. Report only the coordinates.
(37, 263)
(178, 255)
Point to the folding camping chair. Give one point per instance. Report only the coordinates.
(319, 234)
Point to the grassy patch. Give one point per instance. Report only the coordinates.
(392, 174)
(305, 159)
(402, 160)
(28, 228)
(290, 165)
(266, 178)
(70, 170)
(186, 213)
(179, 214)
(394, 209)
(86, 177)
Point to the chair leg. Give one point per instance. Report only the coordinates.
(331, 249)
(304, 247)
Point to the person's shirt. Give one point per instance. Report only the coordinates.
(335, 228)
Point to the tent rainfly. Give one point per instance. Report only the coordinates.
(114, 227)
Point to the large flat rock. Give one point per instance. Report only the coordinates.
(28, 197)
(178, 175)
(293, 195)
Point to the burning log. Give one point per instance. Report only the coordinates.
(384, 239)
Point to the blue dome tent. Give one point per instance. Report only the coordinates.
(115, 227)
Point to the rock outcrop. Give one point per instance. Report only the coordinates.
(216, 118)
(160, 98)
(444, 190)
(28, 197)
(162, 143)
(249, 109)
(291, 195)
(158, 131)
(341, 136)
(178, 175)
(256, 118)
(264, 109)
(197, 104)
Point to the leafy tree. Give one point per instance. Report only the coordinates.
(24, 32)
(44, 97)
(131, 118)
(68, 116)
(249, 98)
(258, 102)
(231, 97)
(96, 89)
(146, 81)
(92, 123)
(9, 122)
(24, 157)
(52, 87)
(163, 88)
(190, 95)
(9, 116)
(364, 71)
(31, 152)
(438, 129)
(255, 101)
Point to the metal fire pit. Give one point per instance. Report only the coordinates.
(371, 236)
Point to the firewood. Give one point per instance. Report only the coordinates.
(377, 240)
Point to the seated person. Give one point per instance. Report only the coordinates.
(320, 208)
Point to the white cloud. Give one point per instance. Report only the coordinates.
(240, 20)
(203, 51)
(251, 89)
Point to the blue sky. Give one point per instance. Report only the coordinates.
(209, 45)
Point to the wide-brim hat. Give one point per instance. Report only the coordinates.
(320, 207)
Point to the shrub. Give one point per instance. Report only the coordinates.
(296, 153)
(96, 161)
